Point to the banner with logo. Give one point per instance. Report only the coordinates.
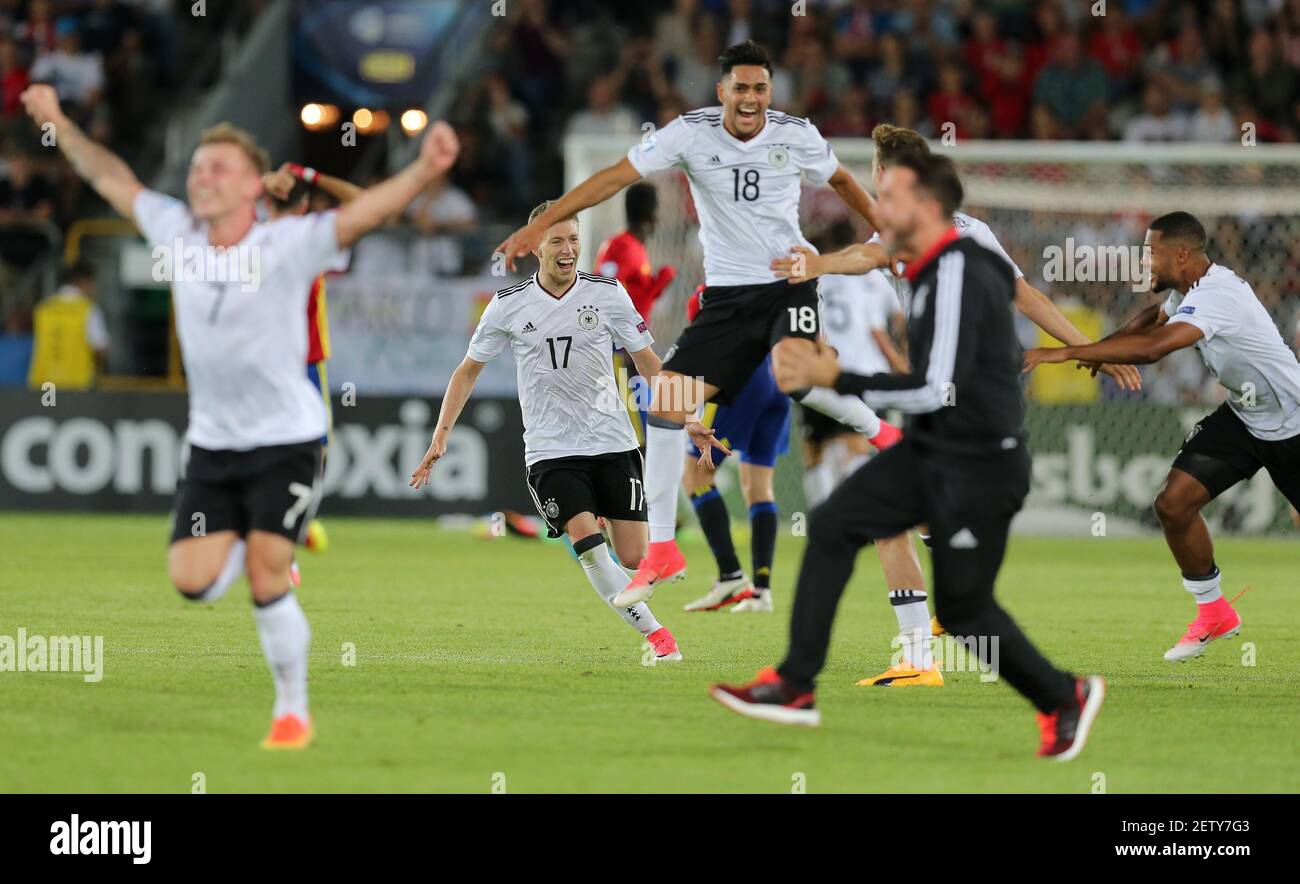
(404, 334)
(123, 452)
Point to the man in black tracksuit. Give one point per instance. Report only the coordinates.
(962, 467)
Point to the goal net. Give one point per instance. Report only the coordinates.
(1072, 216)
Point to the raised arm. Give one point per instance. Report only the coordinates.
(102, 169)
(374, 205)
(459, 389)
(855, 195)
(592, 192)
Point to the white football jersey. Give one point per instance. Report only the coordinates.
(746, 192)
(853, 307)
(966, 226)
(243, 340)
(1244, 350)
(564, 351)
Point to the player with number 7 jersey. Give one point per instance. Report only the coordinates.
(239, 299)
(580, 451)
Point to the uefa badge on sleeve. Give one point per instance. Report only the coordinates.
(588, 318)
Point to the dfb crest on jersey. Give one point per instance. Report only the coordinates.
(551, 509)
(779, 157)
(588, 318)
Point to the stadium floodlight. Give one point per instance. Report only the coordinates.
(414, 121)
(370, 122)
(319, 116)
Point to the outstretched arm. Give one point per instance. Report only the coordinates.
(374, 205)
(102, 169)
(855, 195)
(803, 263)
(1132, 348)
(1047, 316)
(453, 402)
(594, 191)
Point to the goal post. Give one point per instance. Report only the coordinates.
(1072, 215)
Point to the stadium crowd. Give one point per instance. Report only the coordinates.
(1145, 71)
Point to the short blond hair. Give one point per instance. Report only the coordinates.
(542, 207)
(229, 133)
(893, 141)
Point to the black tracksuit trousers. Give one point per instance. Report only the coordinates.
(968, 503)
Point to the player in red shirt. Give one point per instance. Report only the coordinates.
(624, 257)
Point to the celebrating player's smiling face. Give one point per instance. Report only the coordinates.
(745, 94)
(558, 253)
(222, 179)
(1160, 260)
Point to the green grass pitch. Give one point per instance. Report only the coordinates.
(491, 662)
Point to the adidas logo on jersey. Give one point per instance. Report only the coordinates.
(528, 327)
(715, 160)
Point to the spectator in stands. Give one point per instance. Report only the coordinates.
(13, 78)
(892, 75)
(1182, 68)
(1116, 47)
(71, 336)
(848, 119)
(102, 25)
(908, 115)
(78, 76)
(1267, 82)
(951, 103)
(674, 35)
(1212, 121)
(508, 122)
(38, 29)
(442, 212)
(1157, 122)
(539, 48)
(1009, 95)
(1072, 87)
(854, 37)
(984, 48)
(603, 114)
(26, 197)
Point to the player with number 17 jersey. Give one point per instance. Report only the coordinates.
(583, 464)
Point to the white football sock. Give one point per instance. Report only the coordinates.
(1205, 590)
(818, 483)
(663, 473)
(286, 638)
(608, 579)
(848, 410)
(230, 572)
(913, 626)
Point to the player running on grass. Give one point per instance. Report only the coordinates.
(1214, 310)
(745, 164)
(903, 575)
(255, 421)
(756, 426)
(962, 467)
(582, 459)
